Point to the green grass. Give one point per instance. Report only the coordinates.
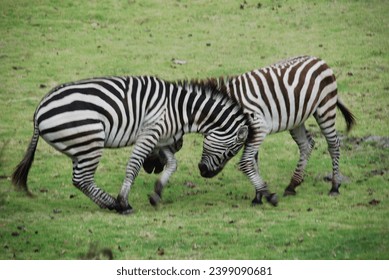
(44, 43)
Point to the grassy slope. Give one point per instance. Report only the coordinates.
(44, 43)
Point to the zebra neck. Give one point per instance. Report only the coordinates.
(208, 111)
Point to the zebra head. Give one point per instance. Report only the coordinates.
(219, 148)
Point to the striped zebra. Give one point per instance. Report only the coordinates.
(282, 97)
(81, 118)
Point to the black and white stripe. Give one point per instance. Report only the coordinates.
(81, 118)
(282, 97)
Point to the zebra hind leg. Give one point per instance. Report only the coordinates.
(333, 148)
(171, 166)
(327, 126)
(83, 178)
(305, 142)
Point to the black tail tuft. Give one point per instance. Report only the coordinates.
(19, 176)
(348, 116)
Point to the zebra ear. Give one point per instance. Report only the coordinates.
(243, 132)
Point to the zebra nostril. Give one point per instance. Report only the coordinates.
(203, 169)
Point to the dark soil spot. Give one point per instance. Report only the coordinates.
(377, 172)
(374, 202)
(160, 251)
(21, 228)
(379, 141)
(95, 253)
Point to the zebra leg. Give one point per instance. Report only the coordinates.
(333, 148)
(84, 168)
(305, 143)
(157, 159)
(171, 167)
(249, 166)
(142, 149)
(327, 126)
(155, 162)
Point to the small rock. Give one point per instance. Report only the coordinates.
(178, 61)
(189, 184)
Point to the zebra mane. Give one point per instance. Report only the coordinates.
(215, 86)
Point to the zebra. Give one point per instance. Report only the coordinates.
(82, 118)
(282, 97)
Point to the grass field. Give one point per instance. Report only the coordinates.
(44, 43)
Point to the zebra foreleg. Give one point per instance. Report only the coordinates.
(171, 167)
(157, 159)
(155, 162)
(248, 165)
(142, 149)
(305, 142)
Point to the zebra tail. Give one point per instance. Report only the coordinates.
(348, 116)
(20, 174)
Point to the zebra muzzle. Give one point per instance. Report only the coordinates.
(206, 172)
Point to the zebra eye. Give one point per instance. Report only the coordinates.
(242, 134)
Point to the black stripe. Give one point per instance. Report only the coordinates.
(69, 125)
(76, 106)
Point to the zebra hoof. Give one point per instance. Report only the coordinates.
(154, 199)
(272, 199)
(289, 192)
(127, 211)
(256, 201)
(334, 193)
